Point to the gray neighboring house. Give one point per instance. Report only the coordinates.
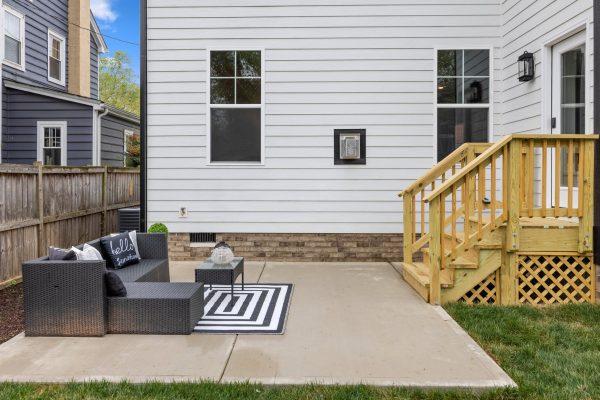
(51, 110)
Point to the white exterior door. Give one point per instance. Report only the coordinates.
(569, 94)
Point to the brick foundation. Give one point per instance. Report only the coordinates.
(296, 246)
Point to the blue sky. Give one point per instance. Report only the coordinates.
(120, 19)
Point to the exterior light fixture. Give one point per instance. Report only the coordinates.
(526, 67)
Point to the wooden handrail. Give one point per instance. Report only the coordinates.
(443, 166)
(493, 150)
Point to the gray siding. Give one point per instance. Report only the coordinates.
(39, 17)
(112, 131)
(94, 90)
(22, 111)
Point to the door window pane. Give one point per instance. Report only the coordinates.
(235, 134)
(460, 125)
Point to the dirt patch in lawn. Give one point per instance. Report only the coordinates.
(11, 312)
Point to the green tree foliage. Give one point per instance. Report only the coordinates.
(117, 83)
(132, 155)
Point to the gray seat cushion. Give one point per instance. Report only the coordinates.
(147, 270)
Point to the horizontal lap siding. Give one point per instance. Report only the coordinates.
(329, 64)
(528, 25)
(39, 17)
(94, 89)
(112, 146)
(21, 113)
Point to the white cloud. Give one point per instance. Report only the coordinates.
(103, 10)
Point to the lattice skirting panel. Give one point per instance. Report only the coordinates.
(555, 279)
(486, 292)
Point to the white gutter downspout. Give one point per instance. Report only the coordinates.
(99, 112)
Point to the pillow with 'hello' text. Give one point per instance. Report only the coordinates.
(120, 250)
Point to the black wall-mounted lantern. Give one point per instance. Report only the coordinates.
(526, 67)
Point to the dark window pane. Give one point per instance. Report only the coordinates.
(573, 62)
(573, 90)
(460, 125)
(449, 91)
(477, 62)
(449, 63)
(477, 90)
(573, 119)
(235, 134)
(51, 156)
(222, 63)
(222, 91)
(248, 91)
(248, 63)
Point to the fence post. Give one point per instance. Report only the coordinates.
(408, 227)
(513, 226)
(435, 250)
(104, 199)
(40, 206)
(587, 191)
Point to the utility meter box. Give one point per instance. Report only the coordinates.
(349, 146)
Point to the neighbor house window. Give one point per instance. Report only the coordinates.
(14, 38)
(127, 144)
(463, 98)
(52, 142)
(56, 58)
(235, 106)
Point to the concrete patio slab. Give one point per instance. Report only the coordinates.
(360, 323)
(348, 323)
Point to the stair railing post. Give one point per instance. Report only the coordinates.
(408, 216)
(587, 191)
(514, 193)
(435, 250)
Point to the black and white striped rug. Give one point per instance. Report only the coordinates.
(258, 309)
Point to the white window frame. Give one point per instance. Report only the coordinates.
(63, 139)
(63, 41)
(489, 105)
(21, 17)
(126, 134)
(209, 106)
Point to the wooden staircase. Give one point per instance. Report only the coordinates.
(482, 227)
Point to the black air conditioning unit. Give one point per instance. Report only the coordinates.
(129, 219)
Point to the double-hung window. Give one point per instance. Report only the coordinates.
(463, 98)
(14, 38)
(56, 58)
(235, 106)
(52, 142)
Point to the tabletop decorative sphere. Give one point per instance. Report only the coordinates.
(222, 254)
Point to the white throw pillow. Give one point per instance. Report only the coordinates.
(133, 238)
(88, 253)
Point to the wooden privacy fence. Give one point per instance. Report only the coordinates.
(44, 206)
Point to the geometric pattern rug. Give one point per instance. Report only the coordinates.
(258, 309)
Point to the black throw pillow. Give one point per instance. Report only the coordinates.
(114, 285)
(56, 254)
(119, 250)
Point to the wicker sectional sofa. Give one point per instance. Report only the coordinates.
(68, 298)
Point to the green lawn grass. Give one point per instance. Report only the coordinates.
(552, 353)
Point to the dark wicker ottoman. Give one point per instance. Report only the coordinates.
(157, 308)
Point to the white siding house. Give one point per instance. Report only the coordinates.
(326, 65)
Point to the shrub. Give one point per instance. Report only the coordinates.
(158, 228)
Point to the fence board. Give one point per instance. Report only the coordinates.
(73, 208)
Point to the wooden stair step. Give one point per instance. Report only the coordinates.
(467, 260)
(420, 273)
(482, 244)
